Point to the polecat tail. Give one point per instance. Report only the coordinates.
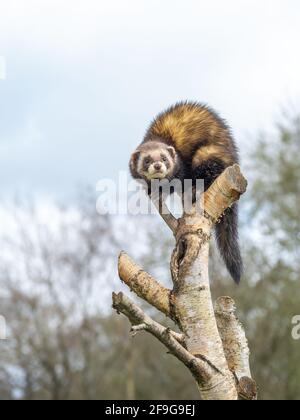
(228, 242)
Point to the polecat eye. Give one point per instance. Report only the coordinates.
(147, 161)
(164, 159)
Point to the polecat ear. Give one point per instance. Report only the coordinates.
(172, 151)
(134, 158)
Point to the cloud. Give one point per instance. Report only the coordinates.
(84, 78)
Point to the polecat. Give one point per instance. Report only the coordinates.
(190, 141)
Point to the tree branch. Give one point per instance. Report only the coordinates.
(143, 327)
(227, 189)
(164, 212)
(218, 360)
(144, 285)
(192, 297)
(201, 369)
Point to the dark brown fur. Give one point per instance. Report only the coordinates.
(204, 149)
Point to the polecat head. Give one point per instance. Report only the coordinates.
(154, 160)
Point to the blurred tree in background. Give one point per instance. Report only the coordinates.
(269, 297)
(276, 204)
(56, 278)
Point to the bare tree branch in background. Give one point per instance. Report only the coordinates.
(49, 297)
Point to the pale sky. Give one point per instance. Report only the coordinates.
(84, 79)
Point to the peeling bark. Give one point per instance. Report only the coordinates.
(235, 346)
(212, 345)
(141, 321)
(144, 285)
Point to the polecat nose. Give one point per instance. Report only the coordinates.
(157, 166)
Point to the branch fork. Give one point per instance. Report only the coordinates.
(212, 342)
